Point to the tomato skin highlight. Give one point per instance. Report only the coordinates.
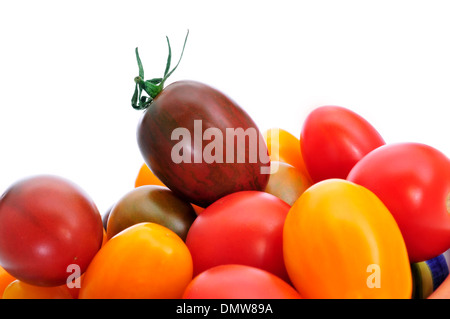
(201, 183)
(340, 241)
(241, 228)
(46, 224)
(413, 181)
(234, 281)
(333, 139)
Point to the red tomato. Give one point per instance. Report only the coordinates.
(241, 228)
(413, 181)
(333, 139)
(238, 282)
(46, 224)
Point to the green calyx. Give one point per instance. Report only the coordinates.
(154, 86)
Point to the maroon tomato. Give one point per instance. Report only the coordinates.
(238, 282)
(333, 139)
(241, 228)
(197, 141)
(46, 224)
(413, 181)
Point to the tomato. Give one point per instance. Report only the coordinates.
(143, 261)
(443, 291)
(413, 181)
(46, 224)
(285, 147)
(21, 290)
(196, 140)
(241, 228)
(5, 280)
(238, 282)
(150, 203)
(340, 241)
(146, 177)
(333, 139)
(287, 182)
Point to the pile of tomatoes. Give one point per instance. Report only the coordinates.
(342, 214)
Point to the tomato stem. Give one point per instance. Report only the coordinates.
(153, 86)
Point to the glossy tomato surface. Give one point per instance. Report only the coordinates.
(241, 228)
(201, 144)
(238, 282)
(340, 241)
(151, 203)
(46, 224)
(413, 181)
(145, 260)
(333, 139)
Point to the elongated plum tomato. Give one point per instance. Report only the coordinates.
(234, 281)
(46, 224)
(413, 181)
(333, 139)
(241, 228)
(143, 261)
(199, 142)
(340, 241)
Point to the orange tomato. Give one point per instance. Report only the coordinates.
(287, 182)
(285, 147)
(146, 177)
(21, 290)
(143, 261)
(340, 241)
(5, 280)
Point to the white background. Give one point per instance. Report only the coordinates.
(67, 69)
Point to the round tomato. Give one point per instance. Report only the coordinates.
(143, 261)
(333, 139)
(238, 282)
(5, 280)
(46, 224)
(413, 181)
(285, 147)
(150, 203)
(241, 228)
(340, 241)
(287, 182)
(21, 290)
(146, 177)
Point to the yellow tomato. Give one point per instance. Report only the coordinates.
(5, 280)
(285, 147)
(143, 261)
(340, 241)
(21, 290)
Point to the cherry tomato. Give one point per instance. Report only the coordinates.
(21, 290)
(143, 261)
(340, 241)
(241, 228)
(150, 203)
(238, 282)
(333, 139)
(146, 177)
(287, 182)
(46, 224)
(5, 280)
(413, 181)
(285, 147)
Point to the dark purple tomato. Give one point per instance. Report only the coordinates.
(201, 144)
(47, 223)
